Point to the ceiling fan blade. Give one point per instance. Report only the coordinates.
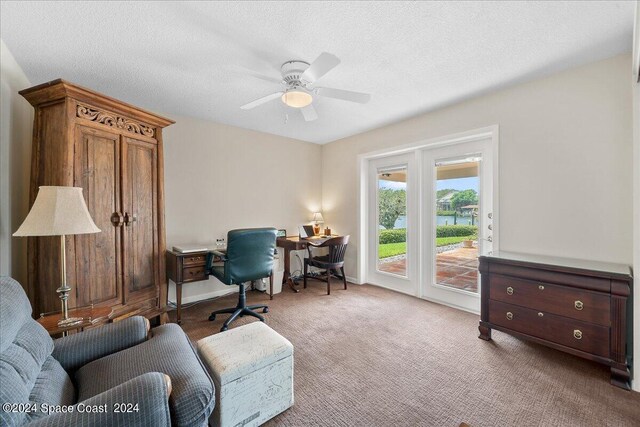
(261, 101)
(265, 78)
(345, 95)
(321, 66)
(309, 113)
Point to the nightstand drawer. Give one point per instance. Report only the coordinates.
(200, 259)
(572, 333)
(194, 273)
(588, 306)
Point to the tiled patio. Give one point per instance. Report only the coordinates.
(457, 268)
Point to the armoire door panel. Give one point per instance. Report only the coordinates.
(98, 255)
(140, 164)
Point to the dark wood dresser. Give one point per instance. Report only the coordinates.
(580, 307)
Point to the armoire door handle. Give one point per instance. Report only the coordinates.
(129, 219)
(117, 219)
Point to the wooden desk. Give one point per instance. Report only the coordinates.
(185, 268)
(90, 316)
(294, 243)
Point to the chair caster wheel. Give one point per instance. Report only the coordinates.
(265, 310)
(212, 317)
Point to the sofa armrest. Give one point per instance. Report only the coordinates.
(79, 349)
(142, 401)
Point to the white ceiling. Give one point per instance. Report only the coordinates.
(199, 59)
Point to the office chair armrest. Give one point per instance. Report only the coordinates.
(210, 255)
(220, 253)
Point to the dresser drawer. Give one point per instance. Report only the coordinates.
(191, 274)
(588, 306)
(200, 259)
(572, 333)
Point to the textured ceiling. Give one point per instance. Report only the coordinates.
(201, 59)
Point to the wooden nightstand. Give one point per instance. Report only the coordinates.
(91, 316)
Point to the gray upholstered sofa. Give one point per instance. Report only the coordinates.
(113, 367)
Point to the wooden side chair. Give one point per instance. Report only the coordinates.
(334, 260)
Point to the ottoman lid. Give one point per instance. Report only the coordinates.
(235, 353)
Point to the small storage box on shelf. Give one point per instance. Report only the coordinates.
(580, 307)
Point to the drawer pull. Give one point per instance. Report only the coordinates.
(509, 290)
(577, 334)
(578, 305)
(540, 314)
(509, 315)
(541, 287)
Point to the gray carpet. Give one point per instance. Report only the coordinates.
(368, 356)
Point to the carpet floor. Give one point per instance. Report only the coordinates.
(369, 356)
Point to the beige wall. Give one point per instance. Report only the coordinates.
(636, 180)
(15, 158)
(565, 162)
(220, 177)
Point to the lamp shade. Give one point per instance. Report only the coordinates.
(58, 211)
(317, 217)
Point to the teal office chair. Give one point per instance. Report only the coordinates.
(249, 256)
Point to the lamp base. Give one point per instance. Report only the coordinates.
(64, 323)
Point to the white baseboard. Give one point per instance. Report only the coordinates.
(353, 280)
(212, 294)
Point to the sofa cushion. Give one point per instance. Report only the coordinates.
(15, 310)
(24, 347)
(168, 351)
(12, 390)
(53, 386)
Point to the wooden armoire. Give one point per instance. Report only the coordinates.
(114, 152)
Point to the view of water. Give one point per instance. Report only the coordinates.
(449, 220)
(401, 222)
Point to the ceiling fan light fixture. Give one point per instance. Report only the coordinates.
(297, 98)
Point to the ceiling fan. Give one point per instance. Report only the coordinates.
(298, 78)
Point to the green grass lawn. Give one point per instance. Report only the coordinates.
(393, 249)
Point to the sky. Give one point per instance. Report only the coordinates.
(459, 184)
(455, 184)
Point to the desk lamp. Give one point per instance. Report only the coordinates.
(59, 211)
(317, 220)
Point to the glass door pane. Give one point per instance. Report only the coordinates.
(457, 197)
(392, 220)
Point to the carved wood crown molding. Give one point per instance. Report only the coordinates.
(113, 120)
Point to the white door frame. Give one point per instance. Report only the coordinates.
(430, 290)
(492, 132)
(408, 284)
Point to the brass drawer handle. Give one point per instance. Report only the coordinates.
(541, 287)
(509, 290)
(578, 305)
(509, 315)
(577, 334)
(540, 314)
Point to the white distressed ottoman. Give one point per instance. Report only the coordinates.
(252, 368)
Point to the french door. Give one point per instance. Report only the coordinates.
(457, 221)
(429, 216)
(392, 240)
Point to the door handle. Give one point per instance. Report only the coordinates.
(129, 219)
(116, 219)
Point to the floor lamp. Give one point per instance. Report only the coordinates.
(59, 211)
